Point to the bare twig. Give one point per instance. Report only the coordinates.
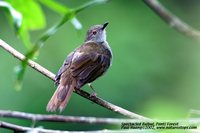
(17, 128)
(60, 118)
(84, 94)
(13, 127)
(173, 20)
(89, 120)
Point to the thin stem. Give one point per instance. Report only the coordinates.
(61, 118)
(17, 128)
(173, 20)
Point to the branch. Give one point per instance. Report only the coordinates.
(17, 128)
(77, 119)
(82, 93)
(61, 118)
(173, 20)
(13, 127)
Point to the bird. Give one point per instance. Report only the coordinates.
(82, 66)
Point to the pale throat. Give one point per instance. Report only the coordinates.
(101, 37)
(104, 36)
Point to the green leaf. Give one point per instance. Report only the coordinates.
(55, 6)
(24, 34)
(16, 16)
(61, 10)
(33, 18)
(89, 4)
(19, 76)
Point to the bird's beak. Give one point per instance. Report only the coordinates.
(104, 25)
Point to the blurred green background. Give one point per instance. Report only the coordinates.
(155, 70)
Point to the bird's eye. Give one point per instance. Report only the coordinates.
(94, 32)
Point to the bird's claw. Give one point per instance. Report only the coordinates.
(94, 94)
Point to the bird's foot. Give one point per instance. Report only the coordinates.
(94, 94)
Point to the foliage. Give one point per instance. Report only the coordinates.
(33, 18)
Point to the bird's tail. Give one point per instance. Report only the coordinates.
(60, 97)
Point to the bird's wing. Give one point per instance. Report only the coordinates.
(64, 67)
(88, 63)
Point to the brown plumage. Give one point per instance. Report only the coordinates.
(84, 65)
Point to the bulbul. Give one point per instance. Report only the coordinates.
(82, 66)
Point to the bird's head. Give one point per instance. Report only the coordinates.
(97, 33)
